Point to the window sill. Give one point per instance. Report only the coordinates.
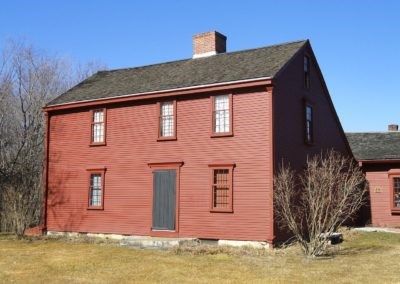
(172, 138)
(222, 134)
(214, 210)
(163, 233)
(396, 211)
(97, 144)
(95, 208)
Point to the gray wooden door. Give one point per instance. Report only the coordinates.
(164, 199)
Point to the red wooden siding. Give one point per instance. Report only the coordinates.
(380, 195)
(132, 144)
(290, 98)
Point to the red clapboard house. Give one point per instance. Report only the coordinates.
(378, 153)
(186, 148)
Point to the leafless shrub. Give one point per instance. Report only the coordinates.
(313, 203)
(28, 79)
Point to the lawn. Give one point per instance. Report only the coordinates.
(363, 257)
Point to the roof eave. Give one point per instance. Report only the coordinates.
(164, 93)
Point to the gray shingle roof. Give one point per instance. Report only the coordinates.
(375, 145)
(220, 68)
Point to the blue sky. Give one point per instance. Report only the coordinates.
(357, 43)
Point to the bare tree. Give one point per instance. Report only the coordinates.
(83, 71)
(28, 79)
(313, 203)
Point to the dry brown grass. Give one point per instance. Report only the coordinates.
(363, 257)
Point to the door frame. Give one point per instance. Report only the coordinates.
(166, 166)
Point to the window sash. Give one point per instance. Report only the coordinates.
(95, 191)
(98, 126)
(167, 119)
(98, 132)
(309, 124)
(396, 192)
(306, 68)
(98, 116)
(221, 114)
(221, 189)
(306, 64)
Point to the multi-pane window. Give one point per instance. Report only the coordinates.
(306, 71)
(221, 189)
(396, 192)
(221, 116)
(167, 123)
(98, 126)
(309, 133)
(95, 191)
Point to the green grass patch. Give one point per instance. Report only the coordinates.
(362, 258)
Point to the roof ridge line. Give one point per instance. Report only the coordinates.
(188, 59)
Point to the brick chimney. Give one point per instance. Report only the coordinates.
(207, 44)
(393, 127)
